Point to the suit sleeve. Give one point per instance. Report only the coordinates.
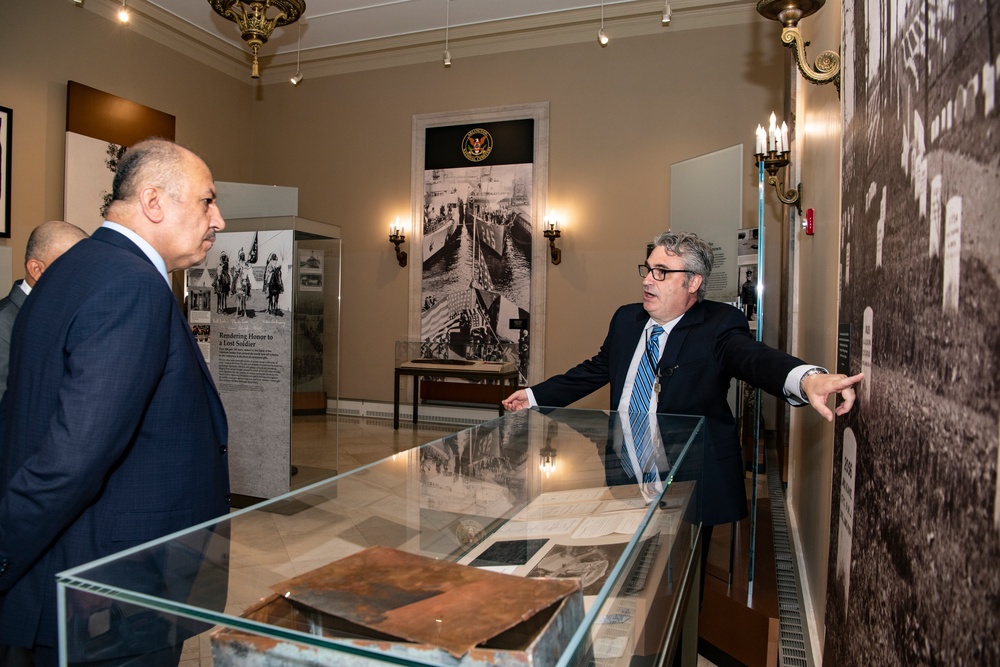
(114, 355)
(746, 359)
(581, 380)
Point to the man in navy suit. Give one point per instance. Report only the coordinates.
(113, 432)
(46, 243)
(704, 345)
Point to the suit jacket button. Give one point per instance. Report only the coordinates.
(4, 564)
(227, 498)
(223, 450)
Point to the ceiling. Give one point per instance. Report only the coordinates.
(337, 22)
(351, 35)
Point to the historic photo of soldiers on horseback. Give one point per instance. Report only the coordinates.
(242, 285)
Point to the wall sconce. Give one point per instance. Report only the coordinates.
(788, 13)
(551, 232)
(547, 455)
(772, 149)
(397, 238)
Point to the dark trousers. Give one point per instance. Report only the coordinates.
(47, 656)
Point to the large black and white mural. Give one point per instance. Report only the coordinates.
(477, 222)
(915, 531)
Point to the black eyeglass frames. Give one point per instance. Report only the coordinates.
(658, 273)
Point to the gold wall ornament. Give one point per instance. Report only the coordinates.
(788, 13)
(251, 16)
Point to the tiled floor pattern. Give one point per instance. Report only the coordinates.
(314, 454)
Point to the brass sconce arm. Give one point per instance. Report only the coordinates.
(397, 239)
(773, 161)
(827, 67)
(552, 235)
(788, 13)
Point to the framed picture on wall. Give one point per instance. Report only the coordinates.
(5, 141)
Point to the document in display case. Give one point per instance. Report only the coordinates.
(557, 494)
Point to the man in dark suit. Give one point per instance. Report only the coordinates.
(704, 346)
(46, 243)
(116, 434)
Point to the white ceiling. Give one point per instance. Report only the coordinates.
(338, 22)
(340, 36)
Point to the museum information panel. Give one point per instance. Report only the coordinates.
(338, 572)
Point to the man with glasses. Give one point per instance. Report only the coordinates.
(695, 348)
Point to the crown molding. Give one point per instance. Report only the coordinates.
(531, 32)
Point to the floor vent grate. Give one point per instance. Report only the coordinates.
(791, 642)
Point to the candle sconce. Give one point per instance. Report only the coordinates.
(772, 150)
(547, 454)
(788, 13)
(773, 161)
(552, 232)
(397, 238)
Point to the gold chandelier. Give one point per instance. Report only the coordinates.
(255, 25)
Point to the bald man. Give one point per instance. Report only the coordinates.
(47, 242)
(115, 434)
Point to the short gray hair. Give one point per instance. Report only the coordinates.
(152, 161)
(696, 254)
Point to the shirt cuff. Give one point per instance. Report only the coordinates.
(794, 380)
(532, 403)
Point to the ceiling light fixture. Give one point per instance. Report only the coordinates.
(297, 79)
(602, 38)
(666, 13)
(123, 13)
(254, 24)
(447, 21)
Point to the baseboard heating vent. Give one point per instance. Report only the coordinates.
(791, 640)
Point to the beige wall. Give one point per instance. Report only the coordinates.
(811, 461)
(46, 43)
(619, 117)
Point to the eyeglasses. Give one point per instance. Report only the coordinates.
(658, 273)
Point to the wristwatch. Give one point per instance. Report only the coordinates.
(812, 371)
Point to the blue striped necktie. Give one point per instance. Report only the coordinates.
(640, 404)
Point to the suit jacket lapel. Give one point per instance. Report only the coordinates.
(675, 341)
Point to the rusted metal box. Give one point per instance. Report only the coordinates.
(368, 605)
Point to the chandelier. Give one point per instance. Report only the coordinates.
(255, 25)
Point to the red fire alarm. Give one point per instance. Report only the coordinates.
(808, 222)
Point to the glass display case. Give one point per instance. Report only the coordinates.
(556, 493)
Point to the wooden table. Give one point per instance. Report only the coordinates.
(505, 373)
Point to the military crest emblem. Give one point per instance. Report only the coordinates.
(477, 145)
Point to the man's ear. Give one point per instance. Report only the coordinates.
(695, 283)
(151, 201)
(35, 268)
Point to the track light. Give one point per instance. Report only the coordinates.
(123, 13)
(666, 13)
(602, 38)
(447, 21)
(297, 79)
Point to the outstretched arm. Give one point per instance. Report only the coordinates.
(817, 388)
(516, 401)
